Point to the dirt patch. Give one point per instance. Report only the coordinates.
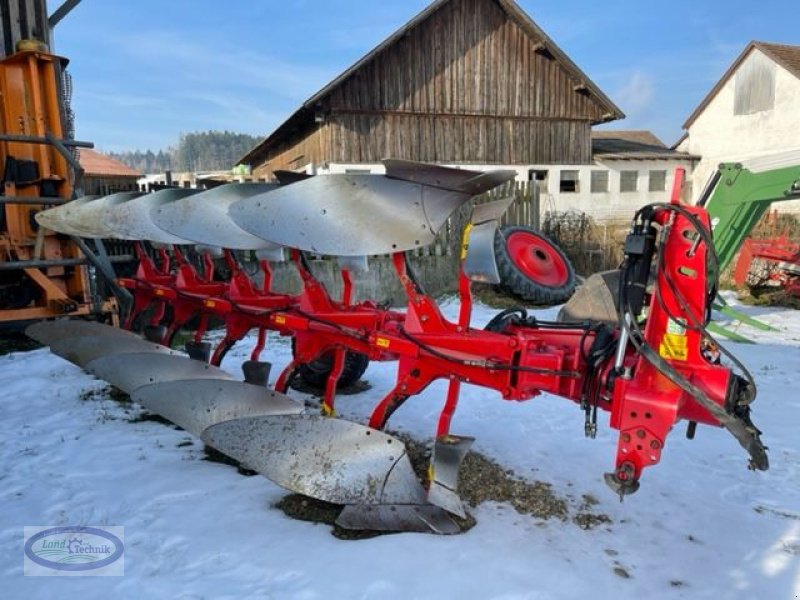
(108, 392)
(483, 480)
(145, 417)
(311, 510)
(586, 518)
(769, 296)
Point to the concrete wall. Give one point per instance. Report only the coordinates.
(437, 274)
(608, 207)
(718, 135)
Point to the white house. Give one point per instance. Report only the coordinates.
(629, 169)
(753, 110)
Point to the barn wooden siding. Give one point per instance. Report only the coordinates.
(467, 85)
(22, 19)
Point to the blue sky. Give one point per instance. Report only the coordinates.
(145, 71)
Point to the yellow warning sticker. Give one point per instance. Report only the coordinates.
(280, 320)
(674, 346)
(382, 342)
(465, 241)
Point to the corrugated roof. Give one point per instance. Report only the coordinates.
(510, 7)
(783, 54)
(100, 165)
(632, 144)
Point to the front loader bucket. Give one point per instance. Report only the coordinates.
(204, 218)
(329, 459)
(48, 332)
(134, 219)
(129, 372)
(197, 405)
(84, 349)
(595, 300)
(355, 215)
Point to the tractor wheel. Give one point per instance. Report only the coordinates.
(315, 373)
(533, 267)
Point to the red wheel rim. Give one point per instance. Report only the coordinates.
(537, 259)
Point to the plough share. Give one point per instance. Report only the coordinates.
(652, 365)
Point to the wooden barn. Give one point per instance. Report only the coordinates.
(464, 82)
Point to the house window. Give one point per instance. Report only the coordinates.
(569, 182)
(599, 182)
(658, 181)
(754, 88)
(357, 171)
(628, 181)
(538, 175)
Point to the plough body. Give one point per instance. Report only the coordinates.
(655, 368)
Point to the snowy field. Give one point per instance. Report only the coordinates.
(701, 526)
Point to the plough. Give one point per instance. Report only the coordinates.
(653, 365)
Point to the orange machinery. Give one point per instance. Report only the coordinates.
(41, 274)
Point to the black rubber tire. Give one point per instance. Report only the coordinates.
(315, 373)
(515, 281)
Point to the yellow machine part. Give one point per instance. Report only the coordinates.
(30, 106)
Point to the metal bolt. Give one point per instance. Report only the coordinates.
(655, 445)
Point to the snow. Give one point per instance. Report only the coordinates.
(701, 526)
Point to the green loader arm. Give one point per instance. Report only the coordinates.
(739, 194)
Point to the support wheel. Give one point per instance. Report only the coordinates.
(533, 267)
(315, 373)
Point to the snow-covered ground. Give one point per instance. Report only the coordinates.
(701, 526)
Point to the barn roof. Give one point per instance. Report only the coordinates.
(306, 111)
(632, 144)
(100, 165)
(786, 56)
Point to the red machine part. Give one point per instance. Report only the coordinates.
(520, 359)
(537, 258)
(779, 252)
